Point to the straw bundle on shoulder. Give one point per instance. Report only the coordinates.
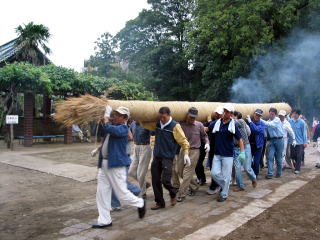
(79, 110)
(89, 108)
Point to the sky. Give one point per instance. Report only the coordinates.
(74, 24)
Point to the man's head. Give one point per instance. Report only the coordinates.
(282, 115)
(257, 115)
(164, 114)
(272, 113)
(218, 112)
(237, 115)
(192, 115)
(296, 113)
(120, 115)
(227, 111)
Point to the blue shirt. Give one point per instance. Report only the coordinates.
(257, 133)
(224, 143)
(300, 130)
(140, 134)
(75, 128)
(117, 146)
(275, 128)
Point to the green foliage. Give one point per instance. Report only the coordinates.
(227, 35)
(30, 37)
(22, 77)
(154, 46)
(51, 79)
(102, 62)
(61, 79)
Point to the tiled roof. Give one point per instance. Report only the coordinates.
(8, 50)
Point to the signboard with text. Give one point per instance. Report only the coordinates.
(12, 119)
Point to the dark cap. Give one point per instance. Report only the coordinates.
(259, 112)
(193, 112)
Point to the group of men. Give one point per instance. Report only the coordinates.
(180, 149)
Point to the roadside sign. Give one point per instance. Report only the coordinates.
(12, 119)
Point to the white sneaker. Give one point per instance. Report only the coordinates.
(296, 172)
(212, 192)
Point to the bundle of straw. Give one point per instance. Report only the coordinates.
(79, 110)
(87, 108)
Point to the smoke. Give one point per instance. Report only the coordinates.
(290, 72)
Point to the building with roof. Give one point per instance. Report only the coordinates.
(9, 53)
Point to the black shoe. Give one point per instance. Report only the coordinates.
(181, 199)
(278, 176)
(101, 226)
(221, 199)
(201, 182)
(142, 210)
(268, 177)
(192, 192)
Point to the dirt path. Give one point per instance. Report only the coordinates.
(295, 217)
(36, 205)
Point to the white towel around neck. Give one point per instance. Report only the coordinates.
(231, 127)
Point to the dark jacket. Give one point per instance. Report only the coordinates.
(257, 133)
(117, 147)
(165, 144)
(316, 134)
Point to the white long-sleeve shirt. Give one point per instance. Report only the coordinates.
(287, 129)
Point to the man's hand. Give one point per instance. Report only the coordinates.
(242, 156)
(249, 119)
(206, 129)
(187, 160)
(207, 148)
(305, 145)
(294, 143)
(108, 111)
(105, 120)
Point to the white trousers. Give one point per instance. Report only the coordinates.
(285, 142)
(108, 179)
(139, 166)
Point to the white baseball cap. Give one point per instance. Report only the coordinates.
(282, 113)
(123, 111)
(219, 110)
(229, 108)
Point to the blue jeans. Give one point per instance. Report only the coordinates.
(221, 172)
(131, 187)
(246, 165)
(275, 152)
(256, 153)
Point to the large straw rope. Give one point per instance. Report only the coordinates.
(88, 108)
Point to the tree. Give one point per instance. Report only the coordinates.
(30, 38)
(227, 35)
(18, 78)
(154, 45)
(102, 61)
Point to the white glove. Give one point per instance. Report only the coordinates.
(187, 160)
(294, 143)
(94, 152)
(207, 148)
(108, 111)
(249, 119)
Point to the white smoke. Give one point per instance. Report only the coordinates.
(290, 71)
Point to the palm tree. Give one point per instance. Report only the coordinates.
(30, 38)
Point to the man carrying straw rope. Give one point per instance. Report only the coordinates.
(167, 134)
(112, 174)
(195, 133)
